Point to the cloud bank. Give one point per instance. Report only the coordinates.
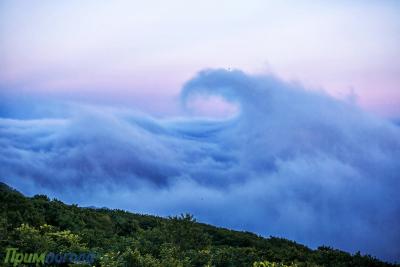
(292, 163)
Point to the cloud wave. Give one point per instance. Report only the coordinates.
(291, 163)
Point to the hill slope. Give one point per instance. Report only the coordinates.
(121, 238)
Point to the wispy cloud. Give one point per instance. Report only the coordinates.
(291, 163)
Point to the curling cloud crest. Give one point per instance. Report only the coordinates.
(292, 163)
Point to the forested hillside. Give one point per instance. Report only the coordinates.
(121, 238)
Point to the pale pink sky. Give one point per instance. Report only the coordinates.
(143, 51)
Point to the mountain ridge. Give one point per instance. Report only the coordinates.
(123, 238)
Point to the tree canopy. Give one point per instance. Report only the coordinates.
(120, 238)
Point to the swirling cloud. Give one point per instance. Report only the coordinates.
(290, 163)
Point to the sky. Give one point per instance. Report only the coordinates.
(277, 117)
(131, 52)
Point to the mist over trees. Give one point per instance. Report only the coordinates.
(120, 238)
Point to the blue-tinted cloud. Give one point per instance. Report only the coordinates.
(292, 163)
